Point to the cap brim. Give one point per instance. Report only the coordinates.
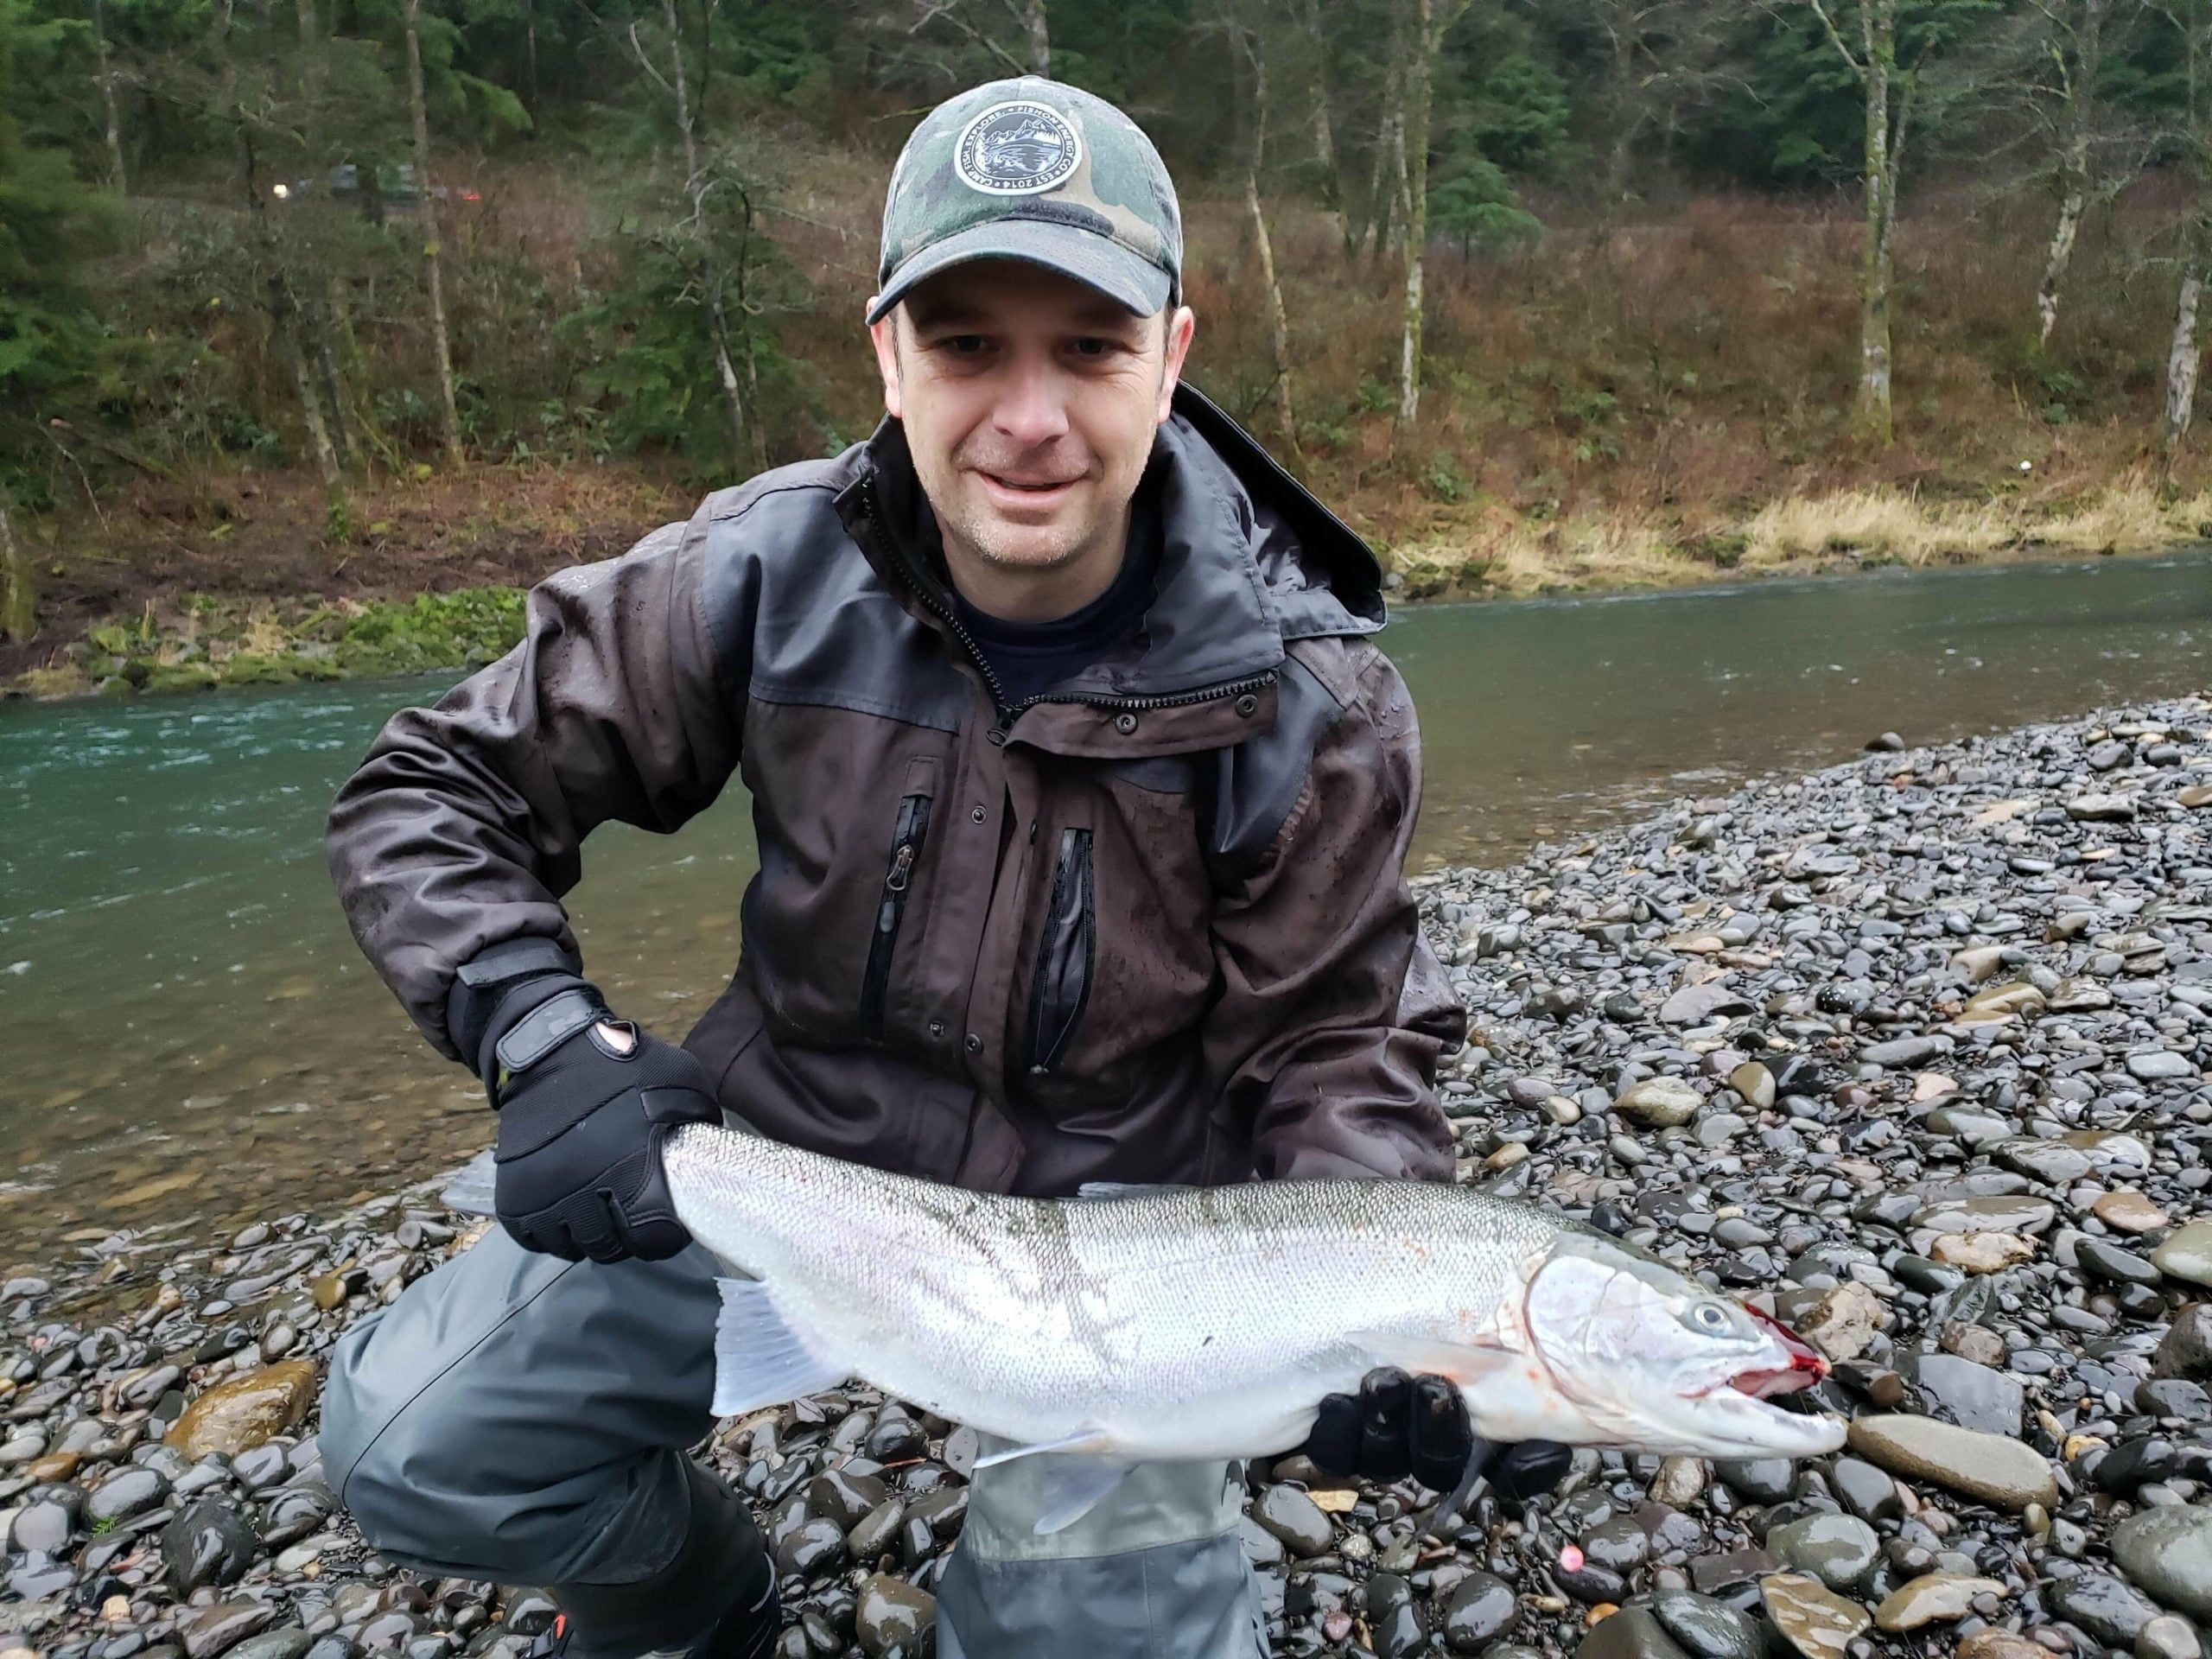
(1127, 278)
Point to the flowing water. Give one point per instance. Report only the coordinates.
(192, 1035)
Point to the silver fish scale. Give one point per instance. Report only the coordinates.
(1200, 1322)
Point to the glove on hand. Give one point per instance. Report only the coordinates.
(1398, 1424)
(585, 1104)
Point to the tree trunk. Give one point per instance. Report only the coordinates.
(18, 597)
(2181, 358)
(449, 411)
(1278, 322)
(1871, 416)
(1412, 203)
(529, 59)
(2078, 112)
(106, 72)
(1040, 38)
(2071, 205)
(1325, 134)
(694, 187)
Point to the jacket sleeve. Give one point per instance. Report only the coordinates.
(463, 827)
(1334, 1010)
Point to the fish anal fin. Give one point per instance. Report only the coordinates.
(1083, 1440)
(758, 1359)
(1071, 1487)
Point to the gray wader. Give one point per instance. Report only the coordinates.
(521, 1419)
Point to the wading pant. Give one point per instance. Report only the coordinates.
(517, 1418)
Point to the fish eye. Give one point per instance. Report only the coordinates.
(1711, 1317)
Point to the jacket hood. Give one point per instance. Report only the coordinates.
(1249, 559)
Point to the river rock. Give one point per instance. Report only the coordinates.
(1932, 1598)
(1295, 1518)
(1816, 1622)
(2127, 1210)
(1982, 1253)
(245, 1411)
(2106, 1261)
(1627, 1633)
(1659, 1102)
(126, 1493)
(1991, 1467)
(2159, 1064)
(2101, 1605)
(1705, 1629)
(1992, 1214)
(1837, 1549)
(1993, 1644)
(1842, 1325)
(891, 1612)
(209, 1542)
(1483, 1607)
(2167, 1551)
(2187, 1254)
(223, 1626)
(1904, 1053)
(1974, 1396)
(290, 1642)
(2185, 1351)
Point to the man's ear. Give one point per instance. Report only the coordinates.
(883, 335)
(1182, 324)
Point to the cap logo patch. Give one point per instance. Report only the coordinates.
(1017, 150)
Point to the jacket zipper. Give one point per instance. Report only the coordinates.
(1009, 712)
(914, 827)
(1064, 950)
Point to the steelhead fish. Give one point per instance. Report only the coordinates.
(1154, 1324)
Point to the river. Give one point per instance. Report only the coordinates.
(195, 1037)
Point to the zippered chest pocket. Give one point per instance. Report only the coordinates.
(1064, 954)
(909, 834)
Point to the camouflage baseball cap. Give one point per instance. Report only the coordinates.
(1033, 170)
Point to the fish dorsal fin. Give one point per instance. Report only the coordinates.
(1101, 1190)
(758, 1359)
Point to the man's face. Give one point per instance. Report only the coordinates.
(1029, 403)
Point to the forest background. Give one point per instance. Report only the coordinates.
(325, 325)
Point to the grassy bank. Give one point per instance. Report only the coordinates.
(448, 593)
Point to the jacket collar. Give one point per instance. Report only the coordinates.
(1248, 558)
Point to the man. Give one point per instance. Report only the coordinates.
(1082, 799)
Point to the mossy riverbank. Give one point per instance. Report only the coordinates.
(200, 640)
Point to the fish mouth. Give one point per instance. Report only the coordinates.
(1805, 1366)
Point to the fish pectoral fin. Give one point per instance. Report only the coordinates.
(758, 1359)
(1073, 1486)
(1461, 1362)
(468, 1190)
(1128, 1189)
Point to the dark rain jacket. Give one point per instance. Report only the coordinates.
(1151, 926)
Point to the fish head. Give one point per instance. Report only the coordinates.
(1618, 1349)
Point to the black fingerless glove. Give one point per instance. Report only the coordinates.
(1398, 1424)
(585, 1104)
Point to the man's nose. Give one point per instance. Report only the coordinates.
(1031, 410)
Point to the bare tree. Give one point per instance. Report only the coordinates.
(2192, 19)
(2094, 152)
(106, 74)
(747, 440)
(1034, 36)
(426, 204)
(1661, 56)
(1424, 24)
(1242, 22)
